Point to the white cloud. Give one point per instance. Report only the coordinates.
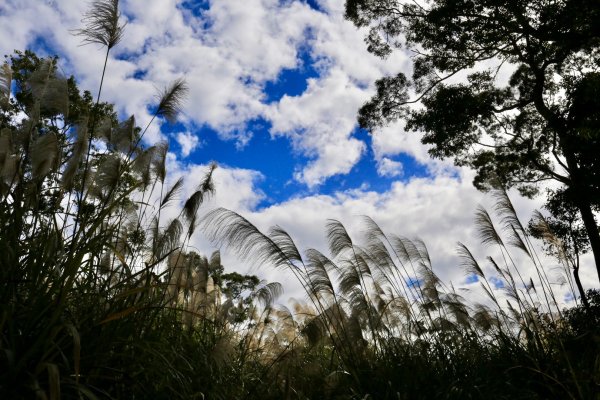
(320, 123)
(390, 168)
(394, 139)
(188, 142)
(227, 56)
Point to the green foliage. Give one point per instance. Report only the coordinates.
(80, 105)
(539, 125)
(585, 320)
(100, 298)
(85, 294)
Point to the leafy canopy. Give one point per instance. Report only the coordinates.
(509, 88)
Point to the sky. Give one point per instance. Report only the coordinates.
(275, 86)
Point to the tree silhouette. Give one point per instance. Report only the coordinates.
(542, 124)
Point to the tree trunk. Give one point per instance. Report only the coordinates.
(577, 184)
(584, 300)
(592, 230)
(582, 200)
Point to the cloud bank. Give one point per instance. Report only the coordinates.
(230, 51)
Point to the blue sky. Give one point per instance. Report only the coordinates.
(274, 157)
(275, 86)
(277, 162)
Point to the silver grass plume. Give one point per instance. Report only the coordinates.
(193, 203)
(167, 241)
(487, 232)
(109, 173)
(505, 209)
(315, 329)
(44, 155)
(338, 238)
(457, 307)
(484, 318)
(287, 325)
(8, 158)
(364, 261)
(142, 165)
(468, 262)
(284, 241)
(318, 276)
(267, 293)
(159, 161)
(489, 293)
(358, 303)
(381, 257)
(515, 240)
(517, 316)
(530, 286)
(215, 260)
(406, 249)
(377, 248)
(422, 252)
(540, 225)
(227, 228)
(172, 193)
(349, 280)
(104, 130)
(510, 220)
(49, 88)
(207, 185)
(353, 327)
(122, 136)
(430, 282)
(191, 206)
(5, 82)
(79, 149)
(102, 24)
(401, 304)
(170, 100)
(495, 265)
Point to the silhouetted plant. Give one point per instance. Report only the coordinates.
(383, 325)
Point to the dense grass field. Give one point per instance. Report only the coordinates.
(101, 296)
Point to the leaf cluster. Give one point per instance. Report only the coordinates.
(508, 88)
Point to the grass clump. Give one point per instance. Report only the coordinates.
(381, 324)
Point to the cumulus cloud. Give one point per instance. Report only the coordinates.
(390, 168)
(228, 53)
(393, 139)
(188, 142)
(320, 123)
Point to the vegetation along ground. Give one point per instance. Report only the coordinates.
(102, 298)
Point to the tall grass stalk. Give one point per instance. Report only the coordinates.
(384, 326)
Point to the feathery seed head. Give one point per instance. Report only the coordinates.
(170, 100)
(5, 82)
(102, 24)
